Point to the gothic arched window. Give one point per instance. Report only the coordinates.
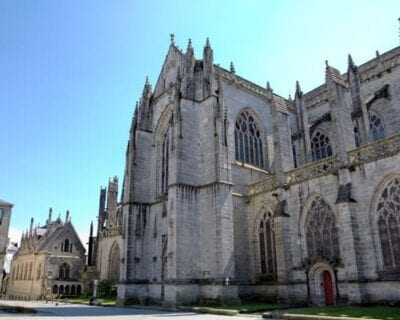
(64, 271)
(321, 230)
(376, 126)
(66, 246)
(266, 244)
(248, 140)
(388, 222)
(320, 146)
(165, 161)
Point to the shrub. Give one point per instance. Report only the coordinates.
(107, 289)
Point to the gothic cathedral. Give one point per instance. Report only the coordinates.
(231, 191)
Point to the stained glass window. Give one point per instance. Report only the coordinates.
(377, 126)
(388, 222)
(320, 146)
(266, 243)
(248, 143)
(164, 162)
(321, 230)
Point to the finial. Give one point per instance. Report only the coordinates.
(172, 37)
(268, 86)
(207, 42)
(350, 61)
(290, 98)
(91, 229)
(232, 68)
(326, 63)
(189, 44)
(146, 83)
(377, 53)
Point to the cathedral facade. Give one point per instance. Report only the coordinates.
(231, 191)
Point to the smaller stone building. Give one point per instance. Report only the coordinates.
(5, 217)
(49, 262)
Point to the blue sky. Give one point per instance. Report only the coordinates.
(71, 72)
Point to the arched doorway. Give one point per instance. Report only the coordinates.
(114, 262)
(321, 283)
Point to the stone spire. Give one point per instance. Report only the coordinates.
(232, 68)
(351, 65)
(269, 91)
(67, 216)
(208, 55)
(49, 218)
(358, 105)
(379, 63)
(302, 126)
(91, 229)
(298, 93)
(31, 227)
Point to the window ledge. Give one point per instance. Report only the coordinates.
(249, 166)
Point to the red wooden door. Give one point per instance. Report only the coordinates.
(328, 288)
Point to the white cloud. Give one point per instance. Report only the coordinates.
(15, 235)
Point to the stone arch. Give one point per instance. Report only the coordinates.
(61, 289)
(55, 289)
(385, 221)
(249, 139)
(164, 142)
(318, 229)
(114, 262)
(73, 291)
(320, 291)
(321, 145)
(266, 244)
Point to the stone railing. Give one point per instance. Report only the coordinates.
(312, 170)
(262, 186)
(111, 232)
(376, 150)
(367, 153)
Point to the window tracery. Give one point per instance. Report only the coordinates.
(388, 222)
(320, 146)
(321, 230)
(64, 271)
(377, 126)
(266, 244)
(248, 143)
(165, 161)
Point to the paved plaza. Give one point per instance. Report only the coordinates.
(77, 312)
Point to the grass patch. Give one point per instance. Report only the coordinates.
(83, 300)
(247, 307)
(377, 312)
